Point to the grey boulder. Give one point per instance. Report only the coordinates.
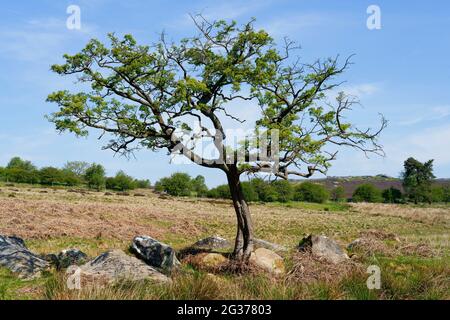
(15, 256)
(212, 243)
(259, 243)
(113, 266)
(323, 247)
(155, 253)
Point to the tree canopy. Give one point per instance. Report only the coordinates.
(417, 179)
(151, 96)
(143, 95)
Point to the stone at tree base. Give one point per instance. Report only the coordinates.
(155, 253)
(116, 265)
(213, 260)
(268, 260)
(323, 247)
(15, 256)
(260, 243)
(212, 243)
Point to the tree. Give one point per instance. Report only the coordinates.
(249, 191)
(367, 193)
(121, 181)
(77, 167)
(143, 96)
(311, 192)
(95, 177)
(284, 190)
(266, 192)
(199, 186)
(417, 179)
(178, 184)
(220, 192)
(338, 194)
(50, 176)
(438, 194)
(18, 163)
(142, 184)
(392, 195)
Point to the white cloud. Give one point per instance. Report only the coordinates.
(286, 25)
(429, 143)
(39, 40)
(361, 90)
(427, 114)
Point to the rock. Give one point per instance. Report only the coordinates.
(323, 247)
(15, 256)
(355, 243)
(259, 243)
(213, 260)
(116, 265)
(71, 257)
(212, 243)
(155, 253)
(268, 260)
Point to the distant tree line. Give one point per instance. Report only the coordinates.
(417, 181)
(73, 173)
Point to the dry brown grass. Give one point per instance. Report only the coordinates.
(43, 217)
(308, 269)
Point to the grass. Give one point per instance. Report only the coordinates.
(94, 223)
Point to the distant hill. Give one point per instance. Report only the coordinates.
(351, 183)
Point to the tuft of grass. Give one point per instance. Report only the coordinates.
(12, 288)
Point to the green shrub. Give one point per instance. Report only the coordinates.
(95, 177)
(338, 194)
(50, 176)
(121, 182)
(249, 191)
(367, 193)
(311, 192)
(178, 184)
(266, 192)
(142, 184)
(220, 192)
(392, 195)
(438, 194)
(199, 187)
(283, 189)
(20, 175)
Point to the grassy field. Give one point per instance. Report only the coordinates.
(409, 243)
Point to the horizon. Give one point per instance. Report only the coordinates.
(397, 69)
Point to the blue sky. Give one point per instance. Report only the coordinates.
(401, 70)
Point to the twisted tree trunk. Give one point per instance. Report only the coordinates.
(244, 236)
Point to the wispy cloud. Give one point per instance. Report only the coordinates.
(39, 39)
(428, 114)
(291, 24)
(226, 10)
